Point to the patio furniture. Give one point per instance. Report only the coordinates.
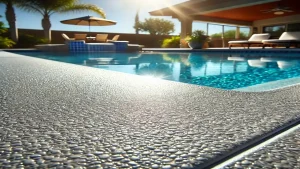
(115, 38)
(90, 39)
(254, 39)
(80, 36)
(286, 39)
(101, 37)
(66, 37)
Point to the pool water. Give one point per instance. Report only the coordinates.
(214, 69)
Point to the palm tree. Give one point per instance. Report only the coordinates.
(4, 41)
(11, 18)
(49, 7)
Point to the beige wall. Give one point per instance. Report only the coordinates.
(141, 39)
(275, 21)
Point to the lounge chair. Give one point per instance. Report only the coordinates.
(286, 39)
(115, 38)
(255, 39)
(101, 37)
(80, 36)
(66, 37)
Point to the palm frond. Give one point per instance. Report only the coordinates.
(83, 7)
(56, 5)
(31, 6)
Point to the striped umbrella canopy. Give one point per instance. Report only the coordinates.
(89, 21)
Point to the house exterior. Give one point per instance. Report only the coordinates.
(261, 16)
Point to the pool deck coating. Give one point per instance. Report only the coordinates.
(55, 114)
(283, 153)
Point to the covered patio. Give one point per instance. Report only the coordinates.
(261, 16)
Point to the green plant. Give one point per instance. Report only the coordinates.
(6, 42)
(172, 42)
(197, 36)
(156, 26)
(28, 41)
(230, 34)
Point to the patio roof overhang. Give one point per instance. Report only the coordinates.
(237, 12)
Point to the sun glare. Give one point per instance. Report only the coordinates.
(153, 3)
(152, 79)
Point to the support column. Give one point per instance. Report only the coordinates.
(186, 27)
(237, 33)
(207, 27)
(223, 43)
(251, 30)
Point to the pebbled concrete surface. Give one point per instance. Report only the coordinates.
(61, 115)
(283, 154)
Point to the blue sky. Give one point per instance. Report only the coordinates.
(121, 11)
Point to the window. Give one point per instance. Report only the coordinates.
(244, 32)
(229, 32)
(275, 31)
(294, 27)
(215, 31)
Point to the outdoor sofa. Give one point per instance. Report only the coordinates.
(255, 39)
(286, 39)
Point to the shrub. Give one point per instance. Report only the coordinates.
(172, 42)
(156, 26)
(28, 41)
(230, 34)
(6, 42)
(197, 36)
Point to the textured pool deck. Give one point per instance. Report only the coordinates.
(55, 114)
(283, 153)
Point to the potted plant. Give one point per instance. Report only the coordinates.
(197, 39)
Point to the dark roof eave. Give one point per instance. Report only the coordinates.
(162, 12)
(168, 11)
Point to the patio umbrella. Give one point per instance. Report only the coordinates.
(89, 21)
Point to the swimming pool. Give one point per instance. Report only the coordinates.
(214, 69)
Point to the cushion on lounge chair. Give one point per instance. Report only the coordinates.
(115, 38)
(280, 41)
(80, 36)
(254, 39)
(239, 42)
(259, 37)
(286, 39)
(290, 36)
(101, 37)
(66, 37)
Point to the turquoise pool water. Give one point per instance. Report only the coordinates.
(214, 69)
